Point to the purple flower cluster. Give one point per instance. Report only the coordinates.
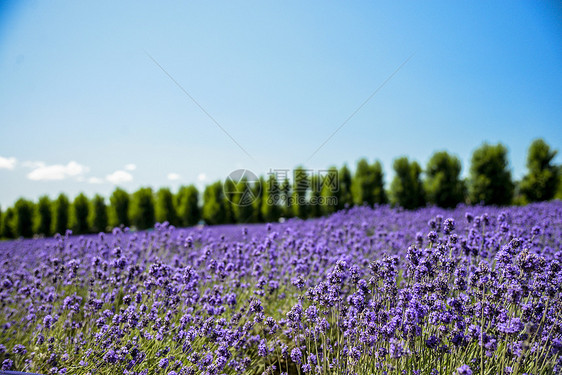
(360, 292)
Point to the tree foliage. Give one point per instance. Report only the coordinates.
(62, 205)
(490, 178)
(558, 194)
(44, 216)
(187, 200)
(345, 182)
(301, 186)
(24, 218)
(81, 211)
(7, 228)
(443, 185)
(99, 220)
(307, 195)
(229, 192)
(270, 205)
(214, 208)
(258, 193)
(406, 188)
(142, 208)
(286, 192)
(315, 206)
(120, 202)
(243, 200)
(541, 181)
(331, 192)
(368, 184)
(165, 208)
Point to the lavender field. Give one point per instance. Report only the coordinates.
(475, 290)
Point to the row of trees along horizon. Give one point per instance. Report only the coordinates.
(489, 183)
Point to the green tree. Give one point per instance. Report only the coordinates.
(270, 206)
(314, 206)
(379, 194)
(24, 218)
(62, 205)
(367, 185)
(286, 198)
(142, 208)
(345, 182)
(301, 186)
(257, 192)
(8, 230)
(44, 216)
(165, 209)
(188, 205)
(406, 188)
(331, 192)
(214, 207)
(99, 218)
(243, 201)
(541, 181)
(229, 192)
(559, 189)
(120, 202)
(490, 178)
(443, 184)
(81, 212)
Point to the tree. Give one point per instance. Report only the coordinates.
(443, 185)
(229, 192)
(62, 205)
(345, 182)
(541, 181)
(559, 189)
(120, 207)
(99, 214)
(81, 211)
(406, 188)
(188, 205)
(286, 199)
(490, 178)
(379, 194)
(270, 208)
(165, 209)
(8, 224)
(314, 206)
(301, 185)
(257, 192)
(367, 185)
(331, 192)
(44, 216)
(214, 208)
(142, 208)
(243, 202)
(24, 218)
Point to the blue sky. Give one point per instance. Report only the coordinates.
(84, 108)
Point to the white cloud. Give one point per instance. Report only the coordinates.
(95, 180)
(7, 163)
(173, 176)
(118, 177)
(130, 167)
(202, 177)
(56, 171)
(33, 164)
